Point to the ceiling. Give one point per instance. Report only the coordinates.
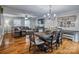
(40, 10)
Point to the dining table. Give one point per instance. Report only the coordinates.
(44, 37)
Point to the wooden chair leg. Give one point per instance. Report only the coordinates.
(51, 48)
(30, 47)
(61, 41)
(56, 46)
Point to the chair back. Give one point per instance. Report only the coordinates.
(56, 36)
(31, 37)
(59, 35)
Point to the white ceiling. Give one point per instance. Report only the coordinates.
(40, 10)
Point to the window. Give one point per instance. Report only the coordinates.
(17, 22)
(27, 23)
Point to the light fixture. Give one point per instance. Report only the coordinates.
(26, 18)
(54, 15)
(49, 15)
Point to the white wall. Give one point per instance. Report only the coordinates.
(76, 28)
(8, 10)
(48, 23)
(1, 28)
(69, 14)
(11, 14)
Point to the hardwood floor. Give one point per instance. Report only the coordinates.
(21, 46)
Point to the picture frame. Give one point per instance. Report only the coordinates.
(68, 21)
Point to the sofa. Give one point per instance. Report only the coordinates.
(19, 31)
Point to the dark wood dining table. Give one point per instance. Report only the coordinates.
(44, 37)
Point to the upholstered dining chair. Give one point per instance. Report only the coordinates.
(34, 42)
(53, 41)
(58, 38)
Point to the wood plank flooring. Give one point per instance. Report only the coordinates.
(21, 46)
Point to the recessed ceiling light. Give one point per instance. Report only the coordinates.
(48, 14)
(54, 15)
(26, 18)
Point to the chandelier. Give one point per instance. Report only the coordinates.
(49, 15)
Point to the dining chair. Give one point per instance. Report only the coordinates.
(53, 41)
(58, 38)
(35, 42)
(48, 40)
